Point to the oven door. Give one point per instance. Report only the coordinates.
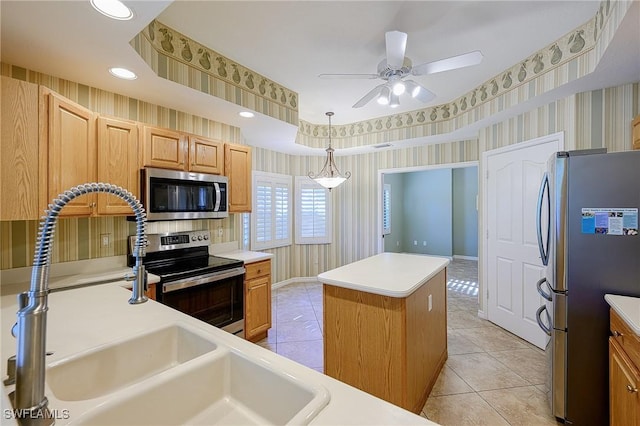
(216, 298)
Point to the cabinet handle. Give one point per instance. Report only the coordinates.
(631, 389)
(616, 333)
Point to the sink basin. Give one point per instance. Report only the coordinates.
(108, 368)
(224, 388)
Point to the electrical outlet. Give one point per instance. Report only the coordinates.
(220, 232)
(424, 243)
(415, 243)
(430, 303)
(397, 243)
(105, 240)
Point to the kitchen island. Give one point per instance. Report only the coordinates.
(385, 325)
(83, 322)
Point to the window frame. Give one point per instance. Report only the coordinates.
(386, 208)
(301, 183)
(273, 180)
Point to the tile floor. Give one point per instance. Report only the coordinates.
(490, 378)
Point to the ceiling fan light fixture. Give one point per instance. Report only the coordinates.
(329, 177)
(413, 88)
(397, 85)
(394, 101)
(385, 94)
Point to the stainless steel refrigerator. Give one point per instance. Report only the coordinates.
(589, 242)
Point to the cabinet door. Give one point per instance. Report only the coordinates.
(19, 151)
(635, 133)
(164, 148)
(237, 167)
(117, 162)
(623, 384)
(72, 152)
(257, 307)
(206, 155)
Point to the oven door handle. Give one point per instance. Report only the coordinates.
(202, 279)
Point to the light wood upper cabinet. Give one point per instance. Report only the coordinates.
(206, 155)
(71, 151)
(21, 173)
(635, 133)
(117, 162)
(237, 167)
(164, 148)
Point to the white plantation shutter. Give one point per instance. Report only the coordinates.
(271, 216)
(386, 209)
(313, 212)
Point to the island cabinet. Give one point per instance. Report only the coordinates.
(257, 316)
(237, 168)
(624, 374)
(635, 133)
(23, 173)
(385, 326)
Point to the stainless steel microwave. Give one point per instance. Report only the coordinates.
(177, 195)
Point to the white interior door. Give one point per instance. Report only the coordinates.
(513, 263)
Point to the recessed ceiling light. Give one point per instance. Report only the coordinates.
(123, 73)
(246, 114)
(114, 9)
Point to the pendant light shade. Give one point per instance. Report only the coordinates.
(329, 177)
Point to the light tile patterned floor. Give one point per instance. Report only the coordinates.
(491, 377)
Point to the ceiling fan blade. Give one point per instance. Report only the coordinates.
(419, 92)
(369, 96)
(348, 76)
(396, 43)
(455, 62)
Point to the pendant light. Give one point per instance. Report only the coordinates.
(329, 177)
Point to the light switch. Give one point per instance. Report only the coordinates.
(105, 240)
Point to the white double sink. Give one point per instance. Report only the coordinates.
(179, 375)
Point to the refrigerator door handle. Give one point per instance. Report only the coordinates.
(544, 328)
(541, 292)
(544, 248)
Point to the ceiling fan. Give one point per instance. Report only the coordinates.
(396, 67)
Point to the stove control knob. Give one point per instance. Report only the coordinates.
(199, 237)
(206, 237)
(193, 238)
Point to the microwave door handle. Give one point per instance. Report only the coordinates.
(216, 207)
(544, 253)
(545, 328)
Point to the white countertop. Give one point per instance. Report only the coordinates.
(628, 308)
(246, 256)
(87, 317)
(386, 274)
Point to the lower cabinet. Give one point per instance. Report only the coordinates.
(635, 133)
(624, 375)
(257, 300)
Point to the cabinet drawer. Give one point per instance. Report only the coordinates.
(625, 337)
(258, 269)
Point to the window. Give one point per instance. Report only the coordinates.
(386, 209)
(271, 217)
(313, 212)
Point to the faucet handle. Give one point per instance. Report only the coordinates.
(11, 371)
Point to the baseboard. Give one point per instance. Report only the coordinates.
(459, 256)
(482, 314)
(294, 281)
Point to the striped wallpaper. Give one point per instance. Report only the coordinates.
(592, 119)
(78, 238)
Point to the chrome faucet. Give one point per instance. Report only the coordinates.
(29, 401)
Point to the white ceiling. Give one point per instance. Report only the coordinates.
(291, 42)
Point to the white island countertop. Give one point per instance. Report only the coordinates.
(386, 274)
(85, 318)
(628, 308)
